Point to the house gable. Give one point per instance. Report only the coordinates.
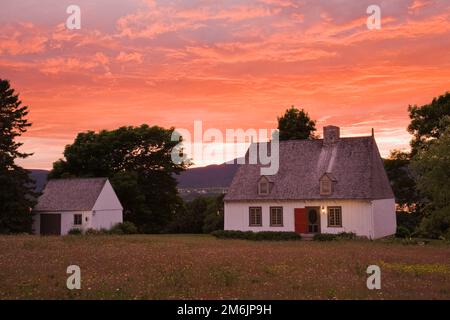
(107, 199)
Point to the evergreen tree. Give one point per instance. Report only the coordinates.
(16, 187)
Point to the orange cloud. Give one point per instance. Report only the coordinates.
(20, 39)
(129, 57)
(416, 5)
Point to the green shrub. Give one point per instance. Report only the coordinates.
(338, 236)
(95, 232)
(409, 241)
(270, 235)
(347, 235)
(403, 232)
(446, 236)
(324, 237)
(212, 222)
(116, 229)
(409, 220)
(129, 228)
(75, 231)
(436, 224)
(256, 236)
(124, 228)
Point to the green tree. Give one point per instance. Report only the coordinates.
(426, 122)
(432, 167)
(403, 183)
(192, 219)
(138, 162)
(402, 180)
(214, 216)
(202, 214)
(296, 124)
(16, 187)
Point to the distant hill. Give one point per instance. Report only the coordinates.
(211, 176)
(206, 181)
(40, 177)
(214, 177)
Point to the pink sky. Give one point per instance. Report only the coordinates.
(231, 64)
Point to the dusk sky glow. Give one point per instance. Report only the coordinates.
(232, 64)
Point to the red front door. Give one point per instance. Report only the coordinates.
(301, 220)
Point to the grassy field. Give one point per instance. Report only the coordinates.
(202, 267)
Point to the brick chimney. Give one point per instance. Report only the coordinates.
(331, 134)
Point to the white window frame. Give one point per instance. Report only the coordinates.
(278, 220)
(75, 219)
(257, 211)
(334, 215)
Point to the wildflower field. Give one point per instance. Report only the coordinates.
(202, 267)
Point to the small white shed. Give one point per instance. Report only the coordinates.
(82, 203)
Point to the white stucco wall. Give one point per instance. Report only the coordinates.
(105, 219)
(67, 220)
(384, 218)
(237, 215)
(356, 215)
(102, 219)
(107, 210)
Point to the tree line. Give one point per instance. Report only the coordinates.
(137, 160)
(420, 177)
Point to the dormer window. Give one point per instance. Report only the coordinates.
(263, 186)
(326, 184)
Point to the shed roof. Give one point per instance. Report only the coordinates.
(70, 194)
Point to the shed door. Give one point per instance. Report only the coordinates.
(301, 220)
(50, 224)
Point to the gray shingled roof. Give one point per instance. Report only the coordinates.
(70, 194)
(355, 163)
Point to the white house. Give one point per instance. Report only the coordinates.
(85, 203)
(328, 185)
